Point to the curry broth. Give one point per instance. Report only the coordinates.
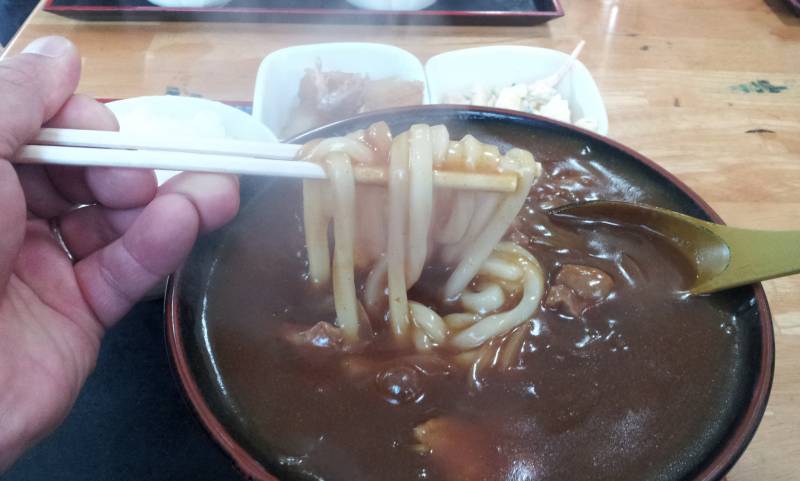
(638, 387)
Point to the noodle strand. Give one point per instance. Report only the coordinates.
(391, 234)
(316, 219)
(527, 169)
(420, 166)
(395, 248)
(342, 181)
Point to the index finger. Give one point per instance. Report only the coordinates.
(33, 87)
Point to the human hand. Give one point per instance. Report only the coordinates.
(52, 313)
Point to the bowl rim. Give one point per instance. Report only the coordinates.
(733, 445)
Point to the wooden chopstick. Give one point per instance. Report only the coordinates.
(89, 148)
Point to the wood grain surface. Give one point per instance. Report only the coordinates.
(709, 89)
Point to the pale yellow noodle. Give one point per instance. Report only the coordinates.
(354, 149)
(454, 160)
(490, 159)
(392, 233)
(429, 322)
(371, 226)
(458, 222)
(460, 320)
(316, 218)
(444, 200)
(500, 268)
(487, 299)
(527, 169)
(372, 199)
(422, 342)
(484, 360)
(342, 183)
(440, 141)
(420, 166)
(486, 206)
(375, 288)
(380, 138)
(501, 323)
(473, 152)
(396, 245)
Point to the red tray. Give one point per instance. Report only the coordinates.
(505, 12)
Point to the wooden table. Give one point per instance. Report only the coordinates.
(677, 78)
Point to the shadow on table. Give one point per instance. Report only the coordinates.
(131, 421)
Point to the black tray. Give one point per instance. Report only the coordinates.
(508, 12)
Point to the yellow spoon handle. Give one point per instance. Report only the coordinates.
(753, 256)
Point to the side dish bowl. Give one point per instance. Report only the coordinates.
(704, 458)
(280, 73)
(459, 71)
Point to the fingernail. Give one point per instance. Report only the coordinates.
(49, 46)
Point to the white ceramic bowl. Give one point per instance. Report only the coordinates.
(279, 75)
(186, 117)
(392, 4)
(500, 66)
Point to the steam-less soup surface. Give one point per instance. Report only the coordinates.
(619, 375)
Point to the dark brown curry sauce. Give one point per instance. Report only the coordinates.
(623, 391)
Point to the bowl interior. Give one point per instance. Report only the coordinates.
(280, 73)
(454, 72)
(717, 442)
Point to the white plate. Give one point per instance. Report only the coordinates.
(392, 4)
(186, 117)
(189, 3)
(279, 75)
(500, 66)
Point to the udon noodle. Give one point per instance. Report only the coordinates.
(390, 235)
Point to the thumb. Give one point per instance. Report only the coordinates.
(33, 87)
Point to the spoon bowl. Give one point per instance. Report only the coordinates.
(723, 257)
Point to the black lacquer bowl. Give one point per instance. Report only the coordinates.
(706, 456)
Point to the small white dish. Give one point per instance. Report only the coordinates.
(501, 66)
(392, 4)
(279, 75)
(190, 3)
(186, 117)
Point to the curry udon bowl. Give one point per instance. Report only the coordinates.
(649, 385)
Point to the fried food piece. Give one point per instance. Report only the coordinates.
(577, 288)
